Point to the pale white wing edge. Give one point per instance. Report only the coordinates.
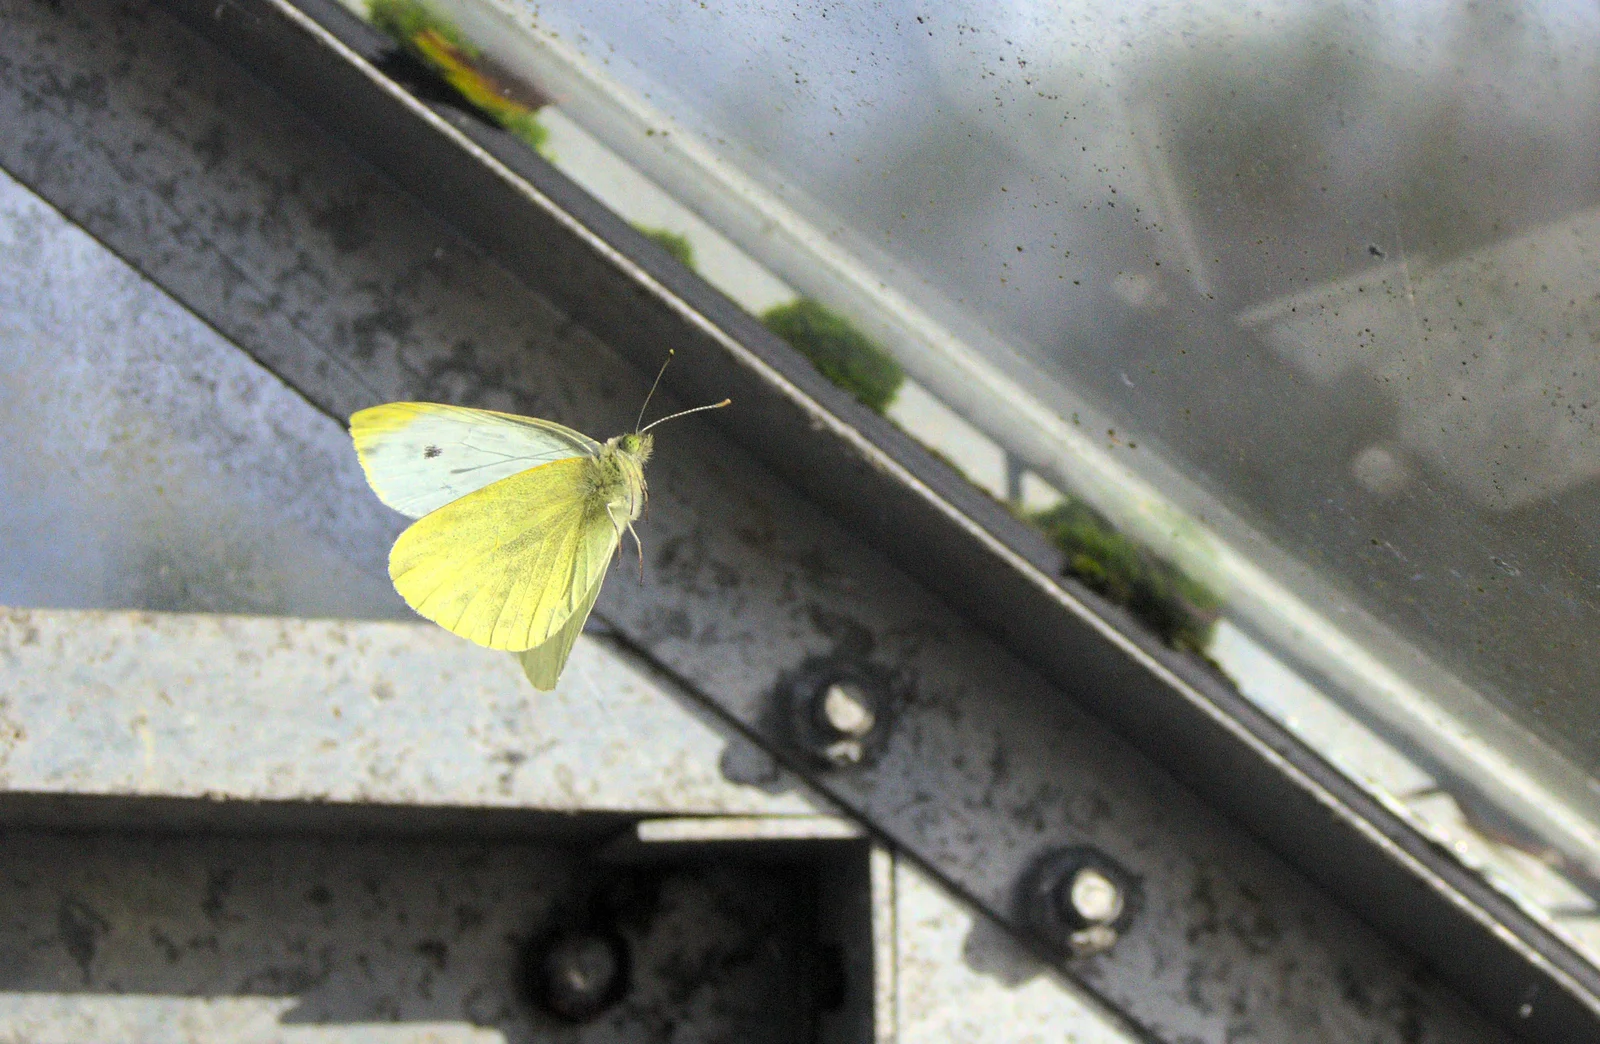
(420, 456)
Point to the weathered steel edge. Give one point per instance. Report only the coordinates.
(907, 502)
(145, 813)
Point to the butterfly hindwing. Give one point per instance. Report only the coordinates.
(509, 565)
(420, 456)
(543, 663)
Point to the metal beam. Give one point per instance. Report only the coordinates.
(364, 714)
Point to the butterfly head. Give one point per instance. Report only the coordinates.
(635, 444)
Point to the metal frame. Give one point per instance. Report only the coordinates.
(988, 765)
(162, 825)
(320, 790)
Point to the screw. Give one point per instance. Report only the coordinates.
(837, 711)
(1079, 900)
(580, 975)
(847, 711)
(1094, 897)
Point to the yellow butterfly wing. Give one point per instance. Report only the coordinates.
(509, 565)
(420, 456)
(543, 663)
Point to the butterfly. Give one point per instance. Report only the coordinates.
(517, 519)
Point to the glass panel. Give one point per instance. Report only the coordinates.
(1281, 319)
(146, 463)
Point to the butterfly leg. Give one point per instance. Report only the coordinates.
(628, 524)
(638, 544)
(617, 527)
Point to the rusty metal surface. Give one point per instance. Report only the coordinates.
(272, 233)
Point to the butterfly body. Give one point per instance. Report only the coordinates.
(618, 475)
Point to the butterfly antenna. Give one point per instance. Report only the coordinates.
(685, 413)
(652, 390)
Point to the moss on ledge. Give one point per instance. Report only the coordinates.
(839, 351)
(1176, 606)
(440, 47)
(675, 243)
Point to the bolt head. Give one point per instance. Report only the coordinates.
(1094, 897)
(580, 975)
(847, 709)
(839, 711)
(1079, 900)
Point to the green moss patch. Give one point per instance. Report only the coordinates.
(843, 354)
(1174, 605)
(675, 243)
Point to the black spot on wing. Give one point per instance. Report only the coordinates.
(431, 452)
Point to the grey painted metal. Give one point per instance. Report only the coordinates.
(326, 725)
(149, 464)
(122, 719)
(129, 705)
(305, 939)
(273, 233)
(237, 708)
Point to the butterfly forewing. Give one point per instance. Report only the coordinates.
(420, 456)
(509, 565)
